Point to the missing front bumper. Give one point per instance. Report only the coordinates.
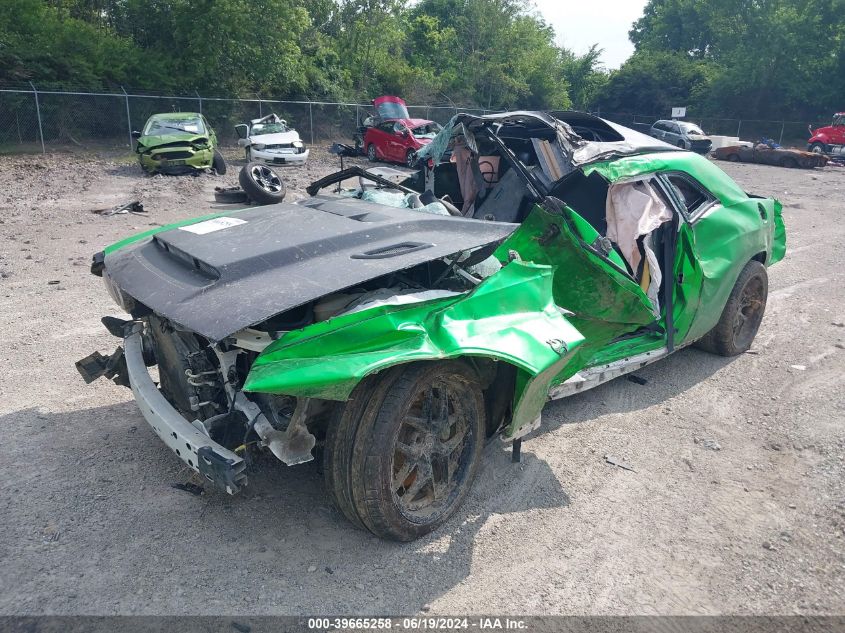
(217, 464)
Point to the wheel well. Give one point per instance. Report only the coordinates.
(760, 257)
(498, 380)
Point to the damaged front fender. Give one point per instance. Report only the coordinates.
(509, 317)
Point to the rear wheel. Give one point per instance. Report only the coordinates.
(740, 320)
(734, 158)
(371, 153)
(406, 449)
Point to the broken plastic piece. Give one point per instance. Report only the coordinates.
(614, 461)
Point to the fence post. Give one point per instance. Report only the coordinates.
(199, 98)
(738, 127)
(782, 128)
(260, 113)
(128, 116)
(38, 114)
(311, 120)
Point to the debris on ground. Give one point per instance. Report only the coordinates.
(130, 207)
(799, 367)
(615, 461)
(708, 443)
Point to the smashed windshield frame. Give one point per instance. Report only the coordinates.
(158, 127)
(427, 130)
(691, 128)
(392, 110)
(259, 129)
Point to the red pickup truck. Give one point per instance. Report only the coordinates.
(829, 139)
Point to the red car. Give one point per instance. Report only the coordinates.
(393, 135)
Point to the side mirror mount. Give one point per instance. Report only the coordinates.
(136, 134)
(242, 130)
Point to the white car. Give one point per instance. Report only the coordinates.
(269, 140)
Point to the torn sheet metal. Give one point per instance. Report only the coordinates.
(509, 317)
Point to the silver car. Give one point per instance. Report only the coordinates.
(682, 134)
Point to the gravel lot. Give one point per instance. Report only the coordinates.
(92, 525)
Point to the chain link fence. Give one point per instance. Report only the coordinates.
(37, 121)
(786, 133)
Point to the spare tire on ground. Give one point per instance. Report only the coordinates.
(230, 195)
(262, 184)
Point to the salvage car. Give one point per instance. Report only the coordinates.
(178, 143)
(766, 154)
(398, 141)
(271, 141)
(682, 134)
(393, 327)
(385, 108)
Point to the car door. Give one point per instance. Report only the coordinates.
(711, 252)
(397, 142)
(589, 282)
(673, 135)
(658, 131)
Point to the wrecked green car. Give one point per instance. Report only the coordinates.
(393, 327)
(178, 143)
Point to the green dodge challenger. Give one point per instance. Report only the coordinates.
(393, 327)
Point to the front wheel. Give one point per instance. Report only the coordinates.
(218, 164)
(410, 158)
(404, 460)
(371, 153)
(818, 148)
(740, 320)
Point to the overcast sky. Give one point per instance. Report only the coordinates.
(583, 23)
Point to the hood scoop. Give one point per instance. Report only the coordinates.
(223, 274)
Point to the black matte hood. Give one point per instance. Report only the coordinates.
(218, 276)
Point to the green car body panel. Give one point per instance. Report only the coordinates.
(176, 151)
(555, 310)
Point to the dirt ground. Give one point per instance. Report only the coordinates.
(91, 524)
